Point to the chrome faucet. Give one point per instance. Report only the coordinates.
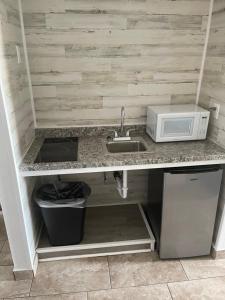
(122, 120)
(122, 136)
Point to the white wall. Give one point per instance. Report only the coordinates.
(90, 57)
(219, 243)
(213, 90)
(10, 200)
(17, 133)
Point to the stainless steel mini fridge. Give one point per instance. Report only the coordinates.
(181, 207)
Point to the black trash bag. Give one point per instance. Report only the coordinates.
(63, 206)
(59, 193)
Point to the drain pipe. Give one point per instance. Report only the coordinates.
(121, 180)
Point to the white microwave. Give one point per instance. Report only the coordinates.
(167, 123)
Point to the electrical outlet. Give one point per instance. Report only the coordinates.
(215, 109)
(18, 54)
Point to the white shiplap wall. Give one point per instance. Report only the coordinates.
(88, 58)
(213, 91)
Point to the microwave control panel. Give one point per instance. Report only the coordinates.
(203, 125)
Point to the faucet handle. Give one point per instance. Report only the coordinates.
(115, 133)
(128, 132)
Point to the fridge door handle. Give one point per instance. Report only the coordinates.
(194, 170)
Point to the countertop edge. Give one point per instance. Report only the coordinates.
(33, 173)
(93, 156)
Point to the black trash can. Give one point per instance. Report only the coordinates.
(63, 206)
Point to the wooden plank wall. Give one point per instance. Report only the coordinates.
(14, 79)
(103, 189)
(213, 85)
(88, 58)
(213, 90)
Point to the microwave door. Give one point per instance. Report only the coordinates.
(177, 128)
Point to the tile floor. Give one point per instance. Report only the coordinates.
(127, 277)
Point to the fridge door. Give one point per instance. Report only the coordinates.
(190, 198)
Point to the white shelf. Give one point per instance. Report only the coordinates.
(109, 230)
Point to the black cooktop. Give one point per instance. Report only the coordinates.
(58, 150)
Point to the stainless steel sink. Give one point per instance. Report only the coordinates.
(125, 146)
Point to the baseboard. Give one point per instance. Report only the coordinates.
(213, 252)
(217, 254)
(35, 265)
(23, 274)
(27, 274)
(39, 234)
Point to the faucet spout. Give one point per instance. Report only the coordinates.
(121, 135)
(122, 120)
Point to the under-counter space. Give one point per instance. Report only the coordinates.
(107, 231)
(113, 225)
(94, 157)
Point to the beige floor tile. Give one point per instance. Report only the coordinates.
(220, 255)
(5, 255)
(203, 289)
(6, 273)
(5, 259)
(75, 296)
(140, 269)
(6, 248)
(3, 234)
(14, 288)
(154, 292)
(204, 267)
(24, 275)
(1, 244)
(70, 276)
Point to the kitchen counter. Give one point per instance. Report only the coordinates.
(94, 157)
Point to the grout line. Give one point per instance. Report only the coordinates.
(123, 287)
(3, 244)
(109, 272)
(65, 293)
(184, 270)
(195, 279)
(170, 291)
(52, 295)
(31, 286)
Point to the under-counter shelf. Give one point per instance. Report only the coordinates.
(109, 230)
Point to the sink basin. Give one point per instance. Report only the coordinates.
(125, 146)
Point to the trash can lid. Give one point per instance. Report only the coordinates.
(63, 194)
(76, 203)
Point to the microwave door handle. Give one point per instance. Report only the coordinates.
(190, 126)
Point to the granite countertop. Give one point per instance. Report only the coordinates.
(92, 152)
